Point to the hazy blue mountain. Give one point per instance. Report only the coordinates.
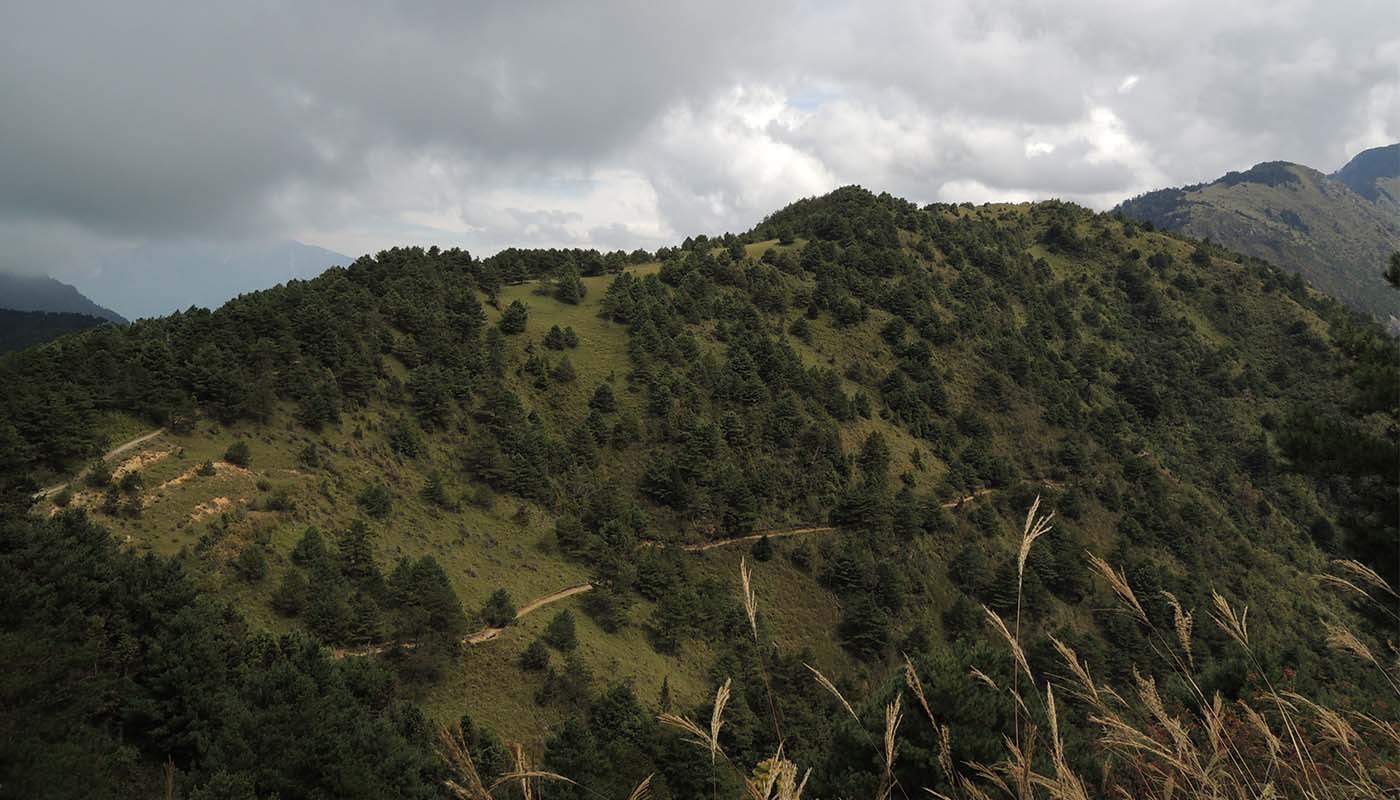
(153, 280)
(42, 293)
(1337, 230)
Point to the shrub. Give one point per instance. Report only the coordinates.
(291, 595)
(536, 657)
(564, 371)
(205, 470)
(99, 474)
(238, 454)
(561, 633)
(251, 565)
(376, 500)
(762, 549)
(498, 611)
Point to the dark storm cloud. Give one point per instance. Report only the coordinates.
(634, 123)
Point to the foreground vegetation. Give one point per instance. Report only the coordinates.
(394, 456)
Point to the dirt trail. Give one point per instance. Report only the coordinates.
(779, 534)
(489, 633)
(107, 456)
(484, 635)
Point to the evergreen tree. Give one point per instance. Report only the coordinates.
(603, 400)
(569, 288)
(498, 611)
(514, 318)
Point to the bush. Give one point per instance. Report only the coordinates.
(376, 501)
(561, 633)
(251, 565)
(99, 474)
(435, 492)
(291, 595)
(554, 340)
(483, 498)
(564, 371)
(762, 549)
(63, 498)
(310, 456)
(498, 611)
(238, 454)
(536, 657)
(205, 470)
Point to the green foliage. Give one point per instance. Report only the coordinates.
(238, 454)
(514, 318)
(376, 500)
(251, 564)
(561, 633)
(536, 657)
(185, 681)
(499, 611)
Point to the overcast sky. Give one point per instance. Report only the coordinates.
(615, 124)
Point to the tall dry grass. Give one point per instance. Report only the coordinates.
(1280, 744)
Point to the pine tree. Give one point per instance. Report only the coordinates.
(569, 287)
(514, 318)
(498, 611)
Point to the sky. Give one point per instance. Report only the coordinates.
(358, 126)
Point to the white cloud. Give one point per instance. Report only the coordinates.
(620, 124)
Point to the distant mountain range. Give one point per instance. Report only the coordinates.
(42, 293)
(35, 309)
(1336, 230)
(158, 279)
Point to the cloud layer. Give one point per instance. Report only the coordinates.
(625, 124)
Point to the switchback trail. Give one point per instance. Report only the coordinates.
(107, 456)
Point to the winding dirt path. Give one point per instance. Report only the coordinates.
(107, 456)
(488, 633)
(484, 635)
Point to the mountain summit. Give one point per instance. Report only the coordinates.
(1335, 230)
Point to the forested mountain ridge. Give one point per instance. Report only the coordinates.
(21, 329)
(360, 457)
(1336, 230)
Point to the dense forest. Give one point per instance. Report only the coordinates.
(912, 379)
(21, 329)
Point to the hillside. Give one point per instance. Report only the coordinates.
(340, 492)
(41, 293)
(21, 329)
(1336, 231)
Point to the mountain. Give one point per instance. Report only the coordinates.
(1375, 175)
(42, 293)
(1336, 231)
(356, 531)
(157, 279)
(21, 329)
